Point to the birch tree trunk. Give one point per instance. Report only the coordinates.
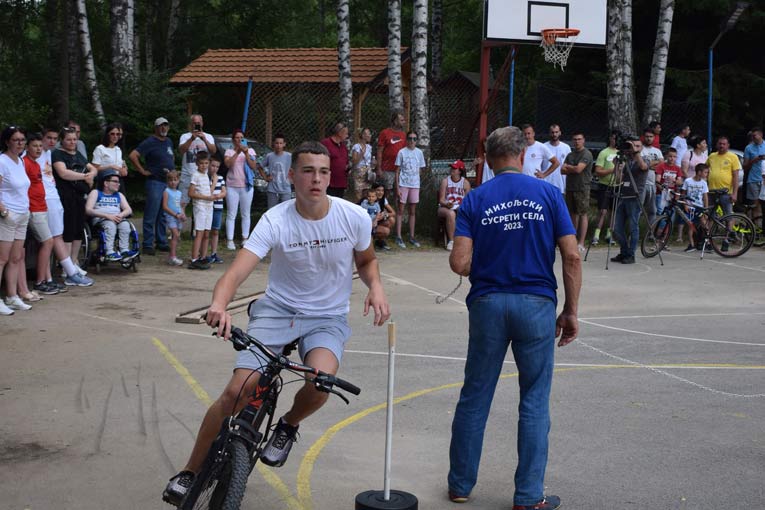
(74, 59)
(56, 14)
(655, 95)
(395, 96)
(121, 17)
(172, 28)
(420, 75)
(91, 82)
(621, 98)
(436, 40)
(344, 63)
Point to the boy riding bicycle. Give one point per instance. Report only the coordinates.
(313, 239)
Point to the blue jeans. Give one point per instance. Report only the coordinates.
(627, 210)
(526, 322)
(152, 219)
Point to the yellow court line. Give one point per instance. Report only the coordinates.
(272, 479)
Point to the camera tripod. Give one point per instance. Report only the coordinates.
(618, 175)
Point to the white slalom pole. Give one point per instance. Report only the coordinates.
(389, 411)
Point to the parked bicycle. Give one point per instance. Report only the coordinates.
(221, 483)
(729, 235)
(759, 233)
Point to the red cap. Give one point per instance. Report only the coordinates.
(459, 164)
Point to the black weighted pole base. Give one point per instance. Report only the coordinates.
(373, 500)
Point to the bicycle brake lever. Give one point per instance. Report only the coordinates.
(321, 386)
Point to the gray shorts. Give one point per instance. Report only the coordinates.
(753, 190)
(276, 325)
(38, 224)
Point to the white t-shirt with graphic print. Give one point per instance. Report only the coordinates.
(533, 158)
(312, 260)
(410, 161)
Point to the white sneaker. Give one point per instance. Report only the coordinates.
(15, 303)
(175, 261)
(4, 310)
(80, 271)
(449, 245)
(230, 245)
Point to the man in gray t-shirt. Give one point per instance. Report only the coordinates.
(577, 167)
(274, 169)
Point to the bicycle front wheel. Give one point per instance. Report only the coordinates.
(657, 237)
(732, 235)
(221, 483)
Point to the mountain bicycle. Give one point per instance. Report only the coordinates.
(759, 233)
(221, 483)
(729, 235)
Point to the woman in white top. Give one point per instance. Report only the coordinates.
(108, 155)
(14, 215)
(361, 155)
(697, 154)
(238, 191)
(450, 195)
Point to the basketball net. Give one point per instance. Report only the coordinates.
(557, 44)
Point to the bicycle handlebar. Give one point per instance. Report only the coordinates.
(323, 381)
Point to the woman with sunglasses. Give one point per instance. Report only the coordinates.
(14, 215)
(108, 155)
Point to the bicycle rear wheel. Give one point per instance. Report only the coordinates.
(732, 235)
(221, 483)
(651, 245)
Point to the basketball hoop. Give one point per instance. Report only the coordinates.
(557, 44)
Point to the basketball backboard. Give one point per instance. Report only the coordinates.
(522, 21)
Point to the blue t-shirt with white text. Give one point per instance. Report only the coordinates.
(515, 222)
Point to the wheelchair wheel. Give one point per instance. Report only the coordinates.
(83, 256)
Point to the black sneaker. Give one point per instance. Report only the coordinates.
(690, 249)
(618, 258)
(44, 287)
(724, 246)
(146, 250)
(548, 503)
(177, 488)
(165, 248)
(628, 260)
(60, 286)
(279, 445)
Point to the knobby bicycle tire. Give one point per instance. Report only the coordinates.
(662, 234)
(732, 235)
(211, 484)
(240, 471)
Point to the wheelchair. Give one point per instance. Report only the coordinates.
(93, 249)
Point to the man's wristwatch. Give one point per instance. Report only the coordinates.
(4, 213)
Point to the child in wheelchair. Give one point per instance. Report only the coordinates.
(109, 210)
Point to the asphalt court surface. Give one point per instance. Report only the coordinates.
(658, 404)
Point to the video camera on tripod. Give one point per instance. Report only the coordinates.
(625, 146)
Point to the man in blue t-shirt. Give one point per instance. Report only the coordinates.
(505, 240)
(754, 157)
(157, 153)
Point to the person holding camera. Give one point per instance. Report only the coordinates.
(634, 172)
(196, 140)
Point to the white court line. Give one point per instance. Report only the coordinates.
(137, 325)
(672, 316)
(690, 339)
(401, 281)
(726, 264)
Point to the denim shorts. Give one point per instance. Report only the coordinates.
(276, 325)
(173, 222)
(217, 219)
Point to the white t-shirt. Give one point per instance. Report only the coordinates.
(14, 186)
(201, 184)
(105, 156)
(49, 182)
(533, 158)
(680, 144)
(189, 163)
(556, 178)
(487, 174)
(312, 261)
(695, 190)
(410, 161)
(366, 158)
(651, 154)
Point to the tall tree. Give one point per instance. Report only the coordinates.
(56, 22)
(122, 23)
(621, 87)
(420, 74)
(344, 61)
(395, 94)
(172, 28)
(436, 40)
(659, 65)
(91, 83)
(74, 59)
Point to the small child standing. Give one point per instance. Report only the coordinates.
(109, 208)
(218, 184)
(277, 166)
(372, 206)
(409, 163)
(174, 216)
(696, 190)
(667, 176)
(202, 204)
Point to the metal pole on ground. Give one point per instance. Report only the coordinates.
(388, 499)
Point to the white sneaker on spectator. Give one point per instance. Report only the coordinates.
(80, 271)
(4, 310)
(230, 245)
(449, 245)
(15, 303)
